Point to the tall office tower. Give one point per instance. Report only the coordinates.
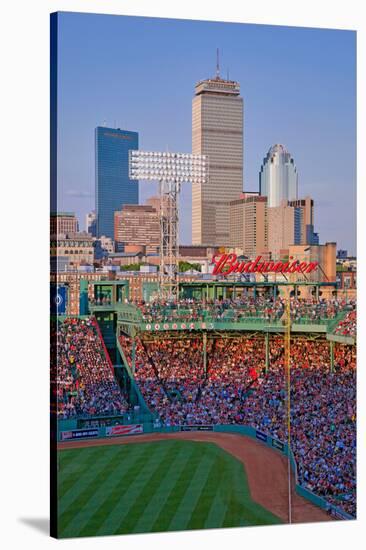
(278, 179)
(63, 223)
(91, 223)
(249, 225)
(291, 223)
(217, 131)
(137, 225)
(113, 187)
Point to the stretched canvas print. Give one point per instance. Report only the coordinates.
(203, 275)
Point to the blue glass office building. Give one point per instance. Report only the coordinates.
(113, 187)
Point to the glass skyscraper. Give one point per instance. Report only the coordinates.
(113, 187)
(278, 179)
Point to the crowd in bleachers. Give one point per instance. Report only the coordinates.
(348, 325)
(235, 309)
(233, 387)
(82, 380)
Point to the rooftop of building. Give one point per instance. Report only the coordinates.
(217, 85)
(277, 148)
(246, 198)
(138, 208)
(82, 236)
(116, 130)
(62, 214)
(132, 255)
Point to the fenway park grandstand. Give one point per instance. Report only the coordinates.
(209, 363)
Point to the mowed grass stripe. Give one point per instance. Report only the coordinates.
(123, 501)
(76, 464)
(82, 516)
(207, 495)
(192, 493)
(237, 513)
(228, 507)
(142, 478)
(122, 489)
(236, 496)
(164, 502)
(132, 515)
(94, 465)
(216, 514)
(88, 485)
(66, 456)
(176, 495)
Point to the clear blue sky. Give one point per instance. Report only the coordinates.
(298, 85)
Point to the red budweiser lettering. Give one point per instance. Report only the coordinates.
(229, 263)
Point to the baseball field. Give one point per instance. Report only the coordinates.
(158, 486)
(141, 484)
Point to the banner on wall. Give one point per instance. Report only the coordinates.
(58, 299)
(196, 428)
(129, 429)
(79, 434)
(261, 436)
(278, 445)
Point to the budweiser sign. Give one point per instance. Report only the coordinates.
(229, 263)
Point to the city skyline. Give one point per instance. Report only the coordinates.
(303, 97)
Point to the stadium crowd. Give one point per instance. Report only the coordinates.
(235, 309)
(81, 377)
(348, 325)
(234, 388)
(230, 384)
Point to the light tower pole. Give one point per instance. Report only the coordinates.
(170, 170)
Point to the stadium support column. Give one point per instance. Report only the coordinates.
(204, 336)
(331, 350)
(267, 350)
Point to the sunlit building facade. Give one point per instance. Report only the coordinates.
(217, 131)
(278, 178)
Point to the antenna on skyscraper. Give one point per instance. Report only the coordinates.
(217, 63)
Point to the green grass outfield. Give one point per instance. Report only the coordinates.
(161, 486)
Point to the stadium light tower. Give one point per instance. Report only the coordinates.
(170, 170)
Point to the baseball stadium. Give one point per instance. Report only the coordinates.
(233, 405)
